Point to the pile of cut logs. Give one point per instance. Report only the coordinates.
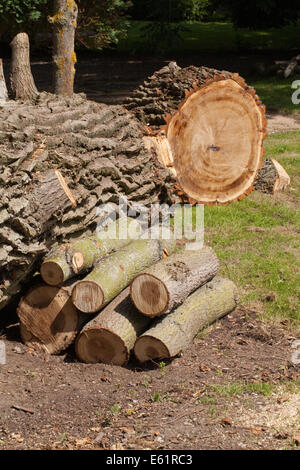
(116, 295)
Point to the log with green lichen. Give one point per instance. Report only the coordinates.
(111, 335)
(175, 332)
(112, 274)
(70, 259)
(166, 284)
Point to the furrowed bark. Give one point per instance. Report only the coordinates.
(64, 24)
(21, 79)
(175, 332)
(112, 274)
(3, 88)
(70, 259)
(166, 284)
(111, 335)
(49, 321)
(99, 152)
(272, 177)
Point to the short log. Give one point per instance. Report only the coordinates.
(166, 284)
(175, 332)
(111, 335)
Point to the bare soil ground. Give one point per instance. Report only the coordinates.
(231, 390)
(235, 388)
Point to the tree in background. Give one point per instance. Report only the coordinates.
(16, 15)
(260, 13)
(101, 23)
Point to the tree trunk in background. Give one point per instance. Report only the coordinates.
(64, 24)
(21, 79)
(3, 89)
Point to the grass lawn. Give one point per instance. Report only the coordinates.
(264, 264)
(217, 36)
(276, 93)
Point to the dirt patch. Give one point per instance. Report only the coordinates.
(200, 400)
(277, 123)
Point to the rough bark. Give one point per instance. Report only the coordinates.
(215, 128)
(166, 284)
(272, 177)
(175, 332)
(49, 321)
(21, 79)
(112, 274)
(64, 23)
(71, 259)
(3, 89)
(111, 335)
(100, 153)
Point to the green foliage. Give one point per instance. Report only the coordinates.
(261, 13)
(101, 23)
(21, 11)
(171, 10)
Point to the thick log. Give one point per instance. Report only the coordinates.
(272, 177)
(100, 153)
(166, 284)
(71, 259)
(111, 335)
(49, 321)
(3, 88)
(215, 129)
(175, 332)
(112, 274)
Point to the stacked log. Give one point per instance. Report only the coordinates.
(61, 158)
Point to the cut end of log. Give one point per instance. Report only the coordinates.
(87, 296)
(48, 320)
(77, 261)
(149, 294)
(216, 141)
(52, 273)
(101, 345)
(147, 348)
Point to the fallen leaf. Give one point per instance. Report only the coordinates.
(196, 394)
(203, 367)
(255, 430)
(226, 421)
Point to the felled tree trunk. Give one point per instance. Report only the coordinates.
(3, 89)
(111, 335)
(64, 23)
(175, 332)
(272, 177)
(94, 154)
(166, 284)
(21, 79)
(49, 321)
(112, 274)
(213, 140)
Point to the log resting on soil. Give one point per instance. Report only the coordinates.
(111, 335)
(112, 274)
(166, 284)
(49, 321)
(61, 158)
(175, 332)
(272, 177)
(68, 260)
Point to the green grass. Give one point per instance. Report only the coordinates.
(268, 261)
(217, 36)
(276, 93)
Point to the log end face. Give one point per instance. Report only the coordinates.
(52, 273)
(87, 296)
(149, 294)
(101, 345)
(147, 348)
